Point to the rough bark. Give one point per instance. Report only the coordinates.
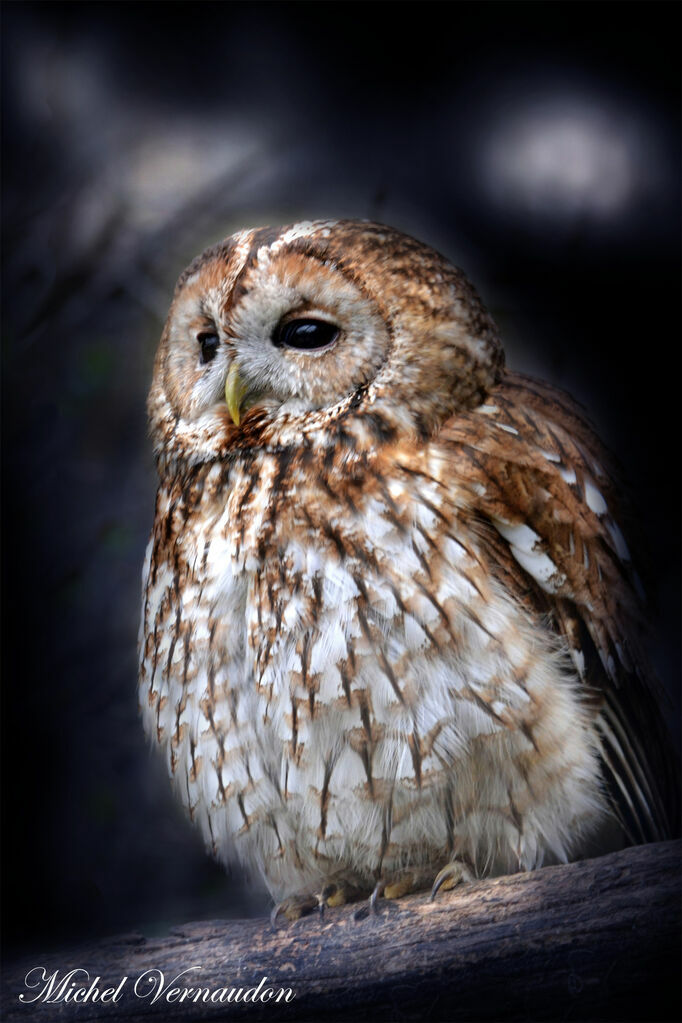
(596, 940)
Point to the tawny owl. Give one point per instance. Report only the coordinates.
(391, 629)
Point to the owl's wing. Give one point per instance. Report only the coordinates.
(545, 496)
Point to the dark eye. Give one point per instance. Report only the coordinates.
(209, 342)
(306, 335)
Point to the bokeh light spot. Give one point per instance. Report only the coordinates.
(568, 157)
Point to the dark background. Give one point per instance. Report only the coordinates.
(536, 144)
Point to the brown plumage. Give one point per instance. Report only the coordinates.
(390, 621)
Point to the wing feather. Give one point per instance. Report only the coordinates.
(547, 494)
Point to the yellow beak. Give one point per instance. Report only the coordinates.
(235, 392)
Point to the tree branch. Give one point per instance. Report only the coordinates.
(599, 939)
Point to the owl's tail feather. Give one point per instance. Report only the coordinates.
(642, 777)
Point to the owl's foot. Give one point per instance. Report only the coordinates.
(331, 896)
(294, 908)
(395, 887)
(450, 876)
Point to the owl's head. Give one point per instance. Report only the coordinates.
(277, 334)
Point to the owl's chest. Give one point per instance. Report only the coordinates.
(300, 609)
(327, 597)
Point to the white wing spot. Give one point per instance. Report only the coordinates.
(542, 568)
(579, 661)
(618, 541)
(520, 536)
(594, 498)
(526, 548)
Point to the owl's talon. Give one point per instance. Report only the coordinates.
(331, 896)
(294, 908)
(389, 890)
(369, 908)
(376, 894)
(450, 876)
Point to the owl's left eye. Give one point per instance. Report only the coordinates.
(305, 335)
(209, 342)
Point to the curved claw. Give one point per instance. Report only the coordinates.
(379, 888)
(452, 874)
(293, 909)
(276, 910)
(371, 905)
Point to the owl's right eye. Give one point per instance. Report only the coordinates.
(209, 342)
(305, 335)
